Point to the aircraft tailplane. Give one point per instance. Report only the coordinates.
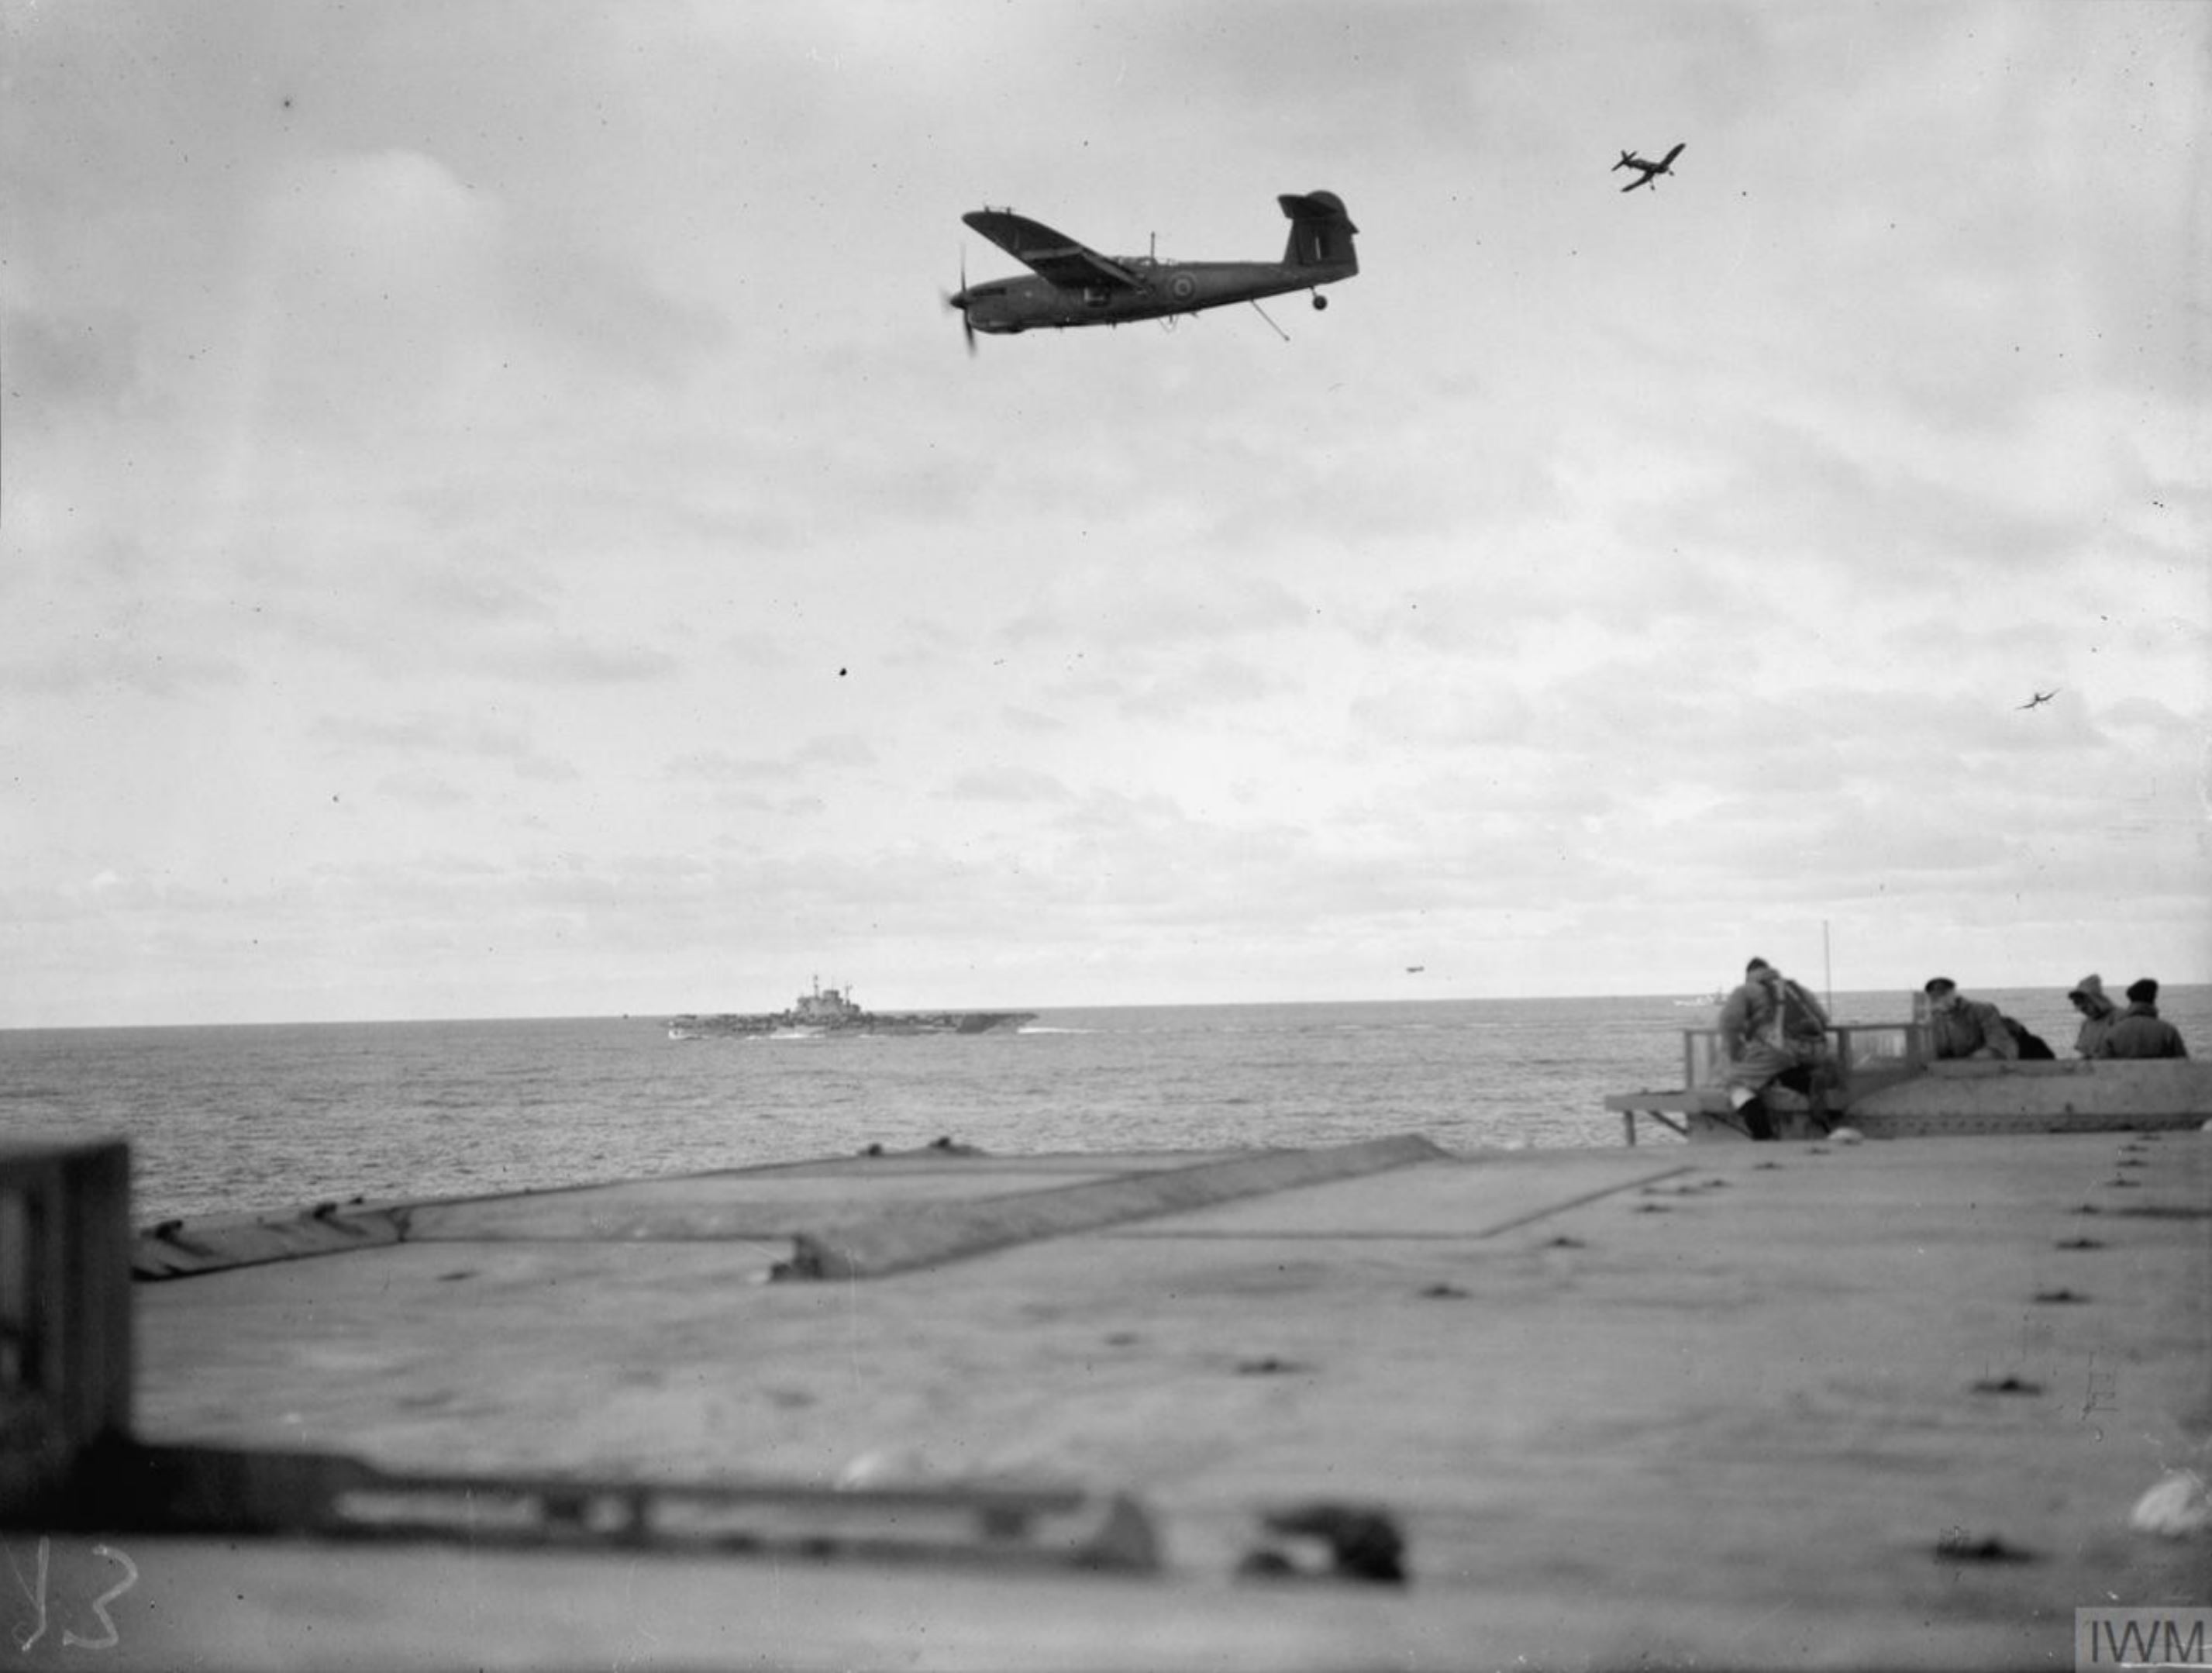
(1321, 231)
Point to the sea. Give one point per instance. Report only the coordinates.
(247, 1119)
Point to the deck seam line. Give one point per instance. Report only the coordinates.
(1139, 1234)
(1532, 1217)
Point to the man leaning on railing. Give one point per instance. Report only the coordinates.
(1964, 1027)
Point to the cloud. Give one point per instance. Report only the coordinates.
(68, 359)
(98, 663)
(459, 737)
(1017, 785)
(431, 791)
(385, 298)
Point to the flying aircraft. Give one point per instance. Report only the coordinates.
(1075, 286)
(1651, 170)
(2039, 698)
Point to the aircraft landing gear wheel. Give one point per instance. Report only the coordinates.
(1320, 301)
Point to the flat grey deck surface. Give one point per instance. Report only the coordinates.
(1711, 1407)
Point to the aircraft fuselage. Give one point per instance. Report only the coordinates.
(1032, 303)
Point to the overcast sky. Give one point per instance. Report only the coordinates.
(497, 520)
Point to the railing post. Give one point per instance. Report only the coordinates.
(65, 1352)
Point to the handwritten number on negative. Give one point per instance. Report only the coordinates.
(25, 1635)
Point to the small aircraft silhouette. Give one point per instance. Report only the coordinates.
(2041, 698)
(1075, 286)
(1651, 170)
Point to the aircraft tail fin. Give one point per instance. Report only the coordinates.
(1321, 231)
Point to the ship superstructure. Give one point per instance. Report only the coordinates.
(826, 1011)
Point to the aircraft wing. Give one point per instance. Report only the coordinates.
(1052, 255)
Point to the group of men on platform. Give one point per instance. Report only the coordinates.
(1965, 1027)
(1773, 1032)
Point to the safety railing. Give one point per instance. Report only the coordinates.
(1856, 1049)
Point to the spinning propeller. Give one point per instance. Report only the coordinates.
(957, 300)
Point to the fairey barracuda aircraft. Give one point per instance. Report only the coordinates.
(1076, 286)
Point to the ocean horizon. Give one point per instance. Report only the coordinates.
(236, 1118)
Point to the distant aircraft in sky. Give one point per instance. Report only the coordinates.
(1076, 286)
(2042, 698)
(1651, 171)
(1415, 970)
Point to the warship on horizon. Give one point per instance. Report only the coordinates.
(828, 1011)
